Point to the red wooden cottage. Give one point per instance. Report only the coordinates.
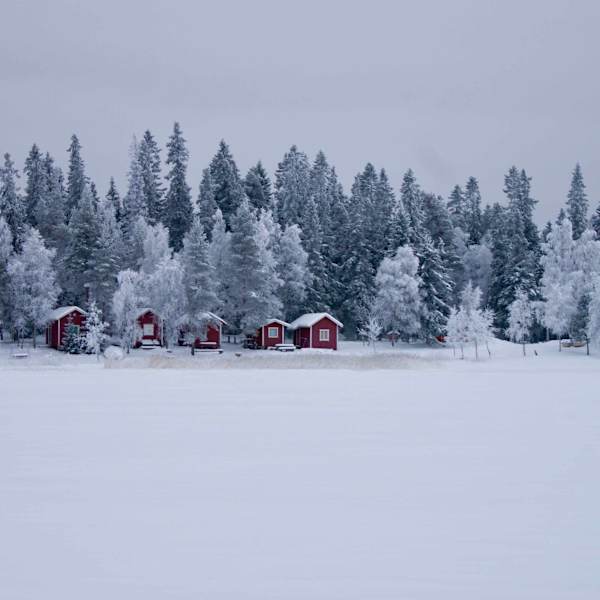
(209, 336)
(149, 333)
(59, 318)
(271, 333)
(316, 330)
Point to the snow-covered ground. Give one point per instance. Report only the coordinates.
(329, 478)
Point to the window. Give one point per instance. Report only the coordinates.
(273, 332)
(148, 330)
(323, 335)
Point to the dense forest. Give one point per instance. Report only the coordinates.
(253, 247)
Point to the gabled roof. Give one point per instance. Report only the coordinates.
(269, 321)
(206, 316)
(143, 311)
(63, 311)
(309, 319)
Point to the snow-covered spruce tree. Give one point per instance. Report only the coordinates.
(473, 211)
(134, 202)
(219, 256)
(593, 326)
(292, 269)
(152, 188)
(557, 285)
(6, 249)
(518, 191)
(95, 330)
(312, 240)
(252, 287)
(76, 179)
(520, 319)
(228, 188)
(577, 203)
(292, 187)
(50, 209)
(73, 341)
(12, 207)
(435, 289)
(258, 188)
(155, 248)
(411, 197)
(398, 300)
(166, 295)
(35, 183)
(107, 256)
(198, 276)
(113, 197)
(126, 304)
(206, 204)
(595, 222)
(178, 211)
(34, 290)
(78, 264)
(456, 207)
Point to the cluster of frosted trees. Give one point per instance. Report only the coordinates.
(246, 248)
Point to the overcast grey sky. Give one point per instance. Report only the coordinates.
(449, 88)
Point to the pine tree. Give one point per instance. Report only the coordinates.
(33, 283)
(456, 207)
(292, 265)
(35, 185)
(152, 188)
(12, 207)
(6, 249)
(207, 206)
(312, 240)
(227, 186)
(76, 179)
(258, 188)
(134, 202)
(411, 197)
(50, 209)
(292, 187)
(178, 215)
(473, 211)
(199, 277)
(112, 196)
(398, 300)
(436, 289)
(577, 203)
(78, 264)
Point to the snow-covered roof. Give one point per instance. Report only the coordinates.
(216, 318)
(269, 321)
(207, 316)
(143, 311)
(63, 311)
(309, 319)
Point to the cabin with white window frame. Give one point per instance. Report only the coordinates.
(316, 330)
(271, 333)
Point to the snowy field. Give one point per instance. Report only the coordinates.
(400, 475)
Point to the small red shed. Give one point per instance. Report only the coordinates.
(210, 336)
(149, 333)
(58, 320)
(316, 330)
(271, 333)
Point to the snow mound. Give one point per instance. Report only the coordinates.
(114, 353)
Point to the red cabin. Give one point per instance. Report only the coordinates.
(271, 333)
(316, 330)
(149, 333)
(57, 324)
(210, 336)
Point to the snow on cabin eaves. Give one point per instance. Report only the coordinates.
(279, 321)
(63, 311)
(309, 319)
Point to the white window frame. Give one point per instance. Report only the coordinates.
(272, 332)
(148, 329)
(323, 335)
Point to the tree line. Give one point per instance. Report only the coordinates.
(249, 248)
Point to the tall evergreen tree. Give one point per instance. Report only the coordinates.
(292, 264)
(206, 204)
(228, 189)
(78, 264)
(50, 209)
(473, 211)
(595, 222)
(577, 203)
(152, 188)
(76, 179)
(411, 197)
(456, 207)
(179, 211)
(113, 197)
(6, 250)
(292, 187)
(35, 183)
(12, 207)
(258, 187)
